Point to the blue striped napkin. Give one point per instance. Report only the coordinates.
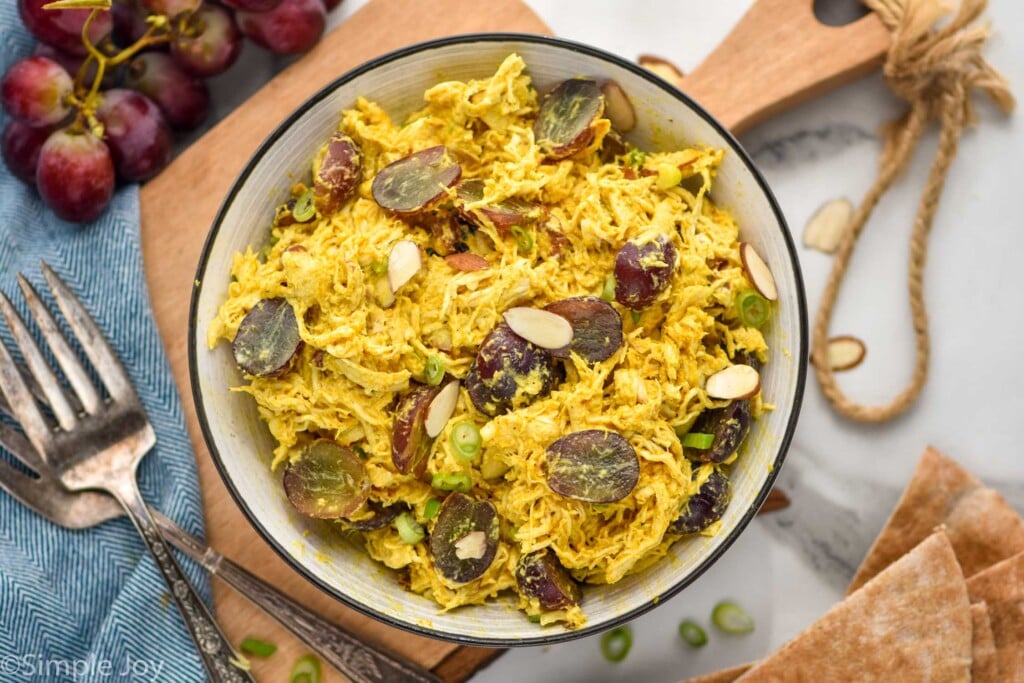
(90, 605)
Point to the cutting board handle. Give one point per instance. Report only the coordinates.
(780, 55)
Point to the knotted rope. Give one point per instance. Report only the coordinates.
(935, 70)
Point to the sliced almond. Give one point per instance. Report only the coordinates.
(543, 328)
(662, 67)
(472, 546)
(734, 383)
(382, 293)
(845, 352)
(404, 262)
(757, 272)
(618, 108)
(467, 262)
(827, 225)
(441, 408)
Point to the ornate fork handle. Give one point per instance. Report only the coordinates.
(355, 658)
(214, 647)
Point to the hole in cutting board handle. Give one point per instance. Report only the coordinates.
(839, 12)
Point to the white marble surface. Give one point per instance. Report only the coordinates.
(790, 567)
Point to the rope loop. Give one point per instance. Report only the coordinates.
(936, 70)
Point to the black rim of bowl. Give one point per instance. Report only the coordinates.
(541, 639)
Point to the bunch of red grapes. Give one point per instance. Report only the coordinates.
(107, 86)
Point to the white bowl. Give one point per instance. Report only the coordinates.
(239, 442)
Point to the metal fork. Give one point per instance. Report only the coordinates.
(360, 661)
(80, 509)
(100, 447)
(47, 496)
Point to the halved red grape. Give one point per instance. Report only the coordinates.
(139, 139)
(509, 372)
(503, 215)
(63, 28)
(596, 327)
(207, 42)
(593, 465)
(291, 27)
(253, 5)
(540, 575)
(564, 123)
(21, 145)
(339, 175)
(328, 481)
(643, 270)
(267, 339)
(75, 175)
(705, 507)
(172, 8)
(416, 182)
(35, 91)
(465, 537)
(382, 516)
(729, 425)
(410, 445)
(183, 99)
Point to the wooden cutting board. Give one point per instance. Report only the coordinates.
(178, 208)
(777, 56)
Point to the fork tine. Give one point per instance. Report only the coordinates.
(38, 366)
(15, 444)
(66, 358)
(95, 345)
(23, 406)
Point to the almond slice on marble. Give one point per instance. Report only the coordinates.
(543, 328)
(845, 352)
(734, 383)
(404, 262)
(466, 262)
(662, 67)
(757, 272)
(618, 108)
(441, 409)
(472, 546)
(826, 227)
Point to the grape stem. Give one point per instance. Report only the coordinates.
(156, 33)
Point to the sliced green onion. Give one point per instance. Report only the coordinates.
(305, 670)
(379, 268)
(635, 315)
(668, 176)
(446, 481)
(360, 451)
(431, 509)
(636, 157)
(304, 210)
(465, 440)
(434, 370)
(608, 291)
(693, 634)
(699, 440)
(753, 309)
(257, 647)
(533, 618)
(409, 529)
(523, 239)
(731, 618)
(615, 644)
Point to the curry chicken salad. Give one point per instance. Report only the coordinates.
(511, 350)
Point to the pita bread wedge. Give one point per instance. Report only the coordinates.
(984, 660)
(913, 618)
(1001, 587)
(723, 676)
(982, 527)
